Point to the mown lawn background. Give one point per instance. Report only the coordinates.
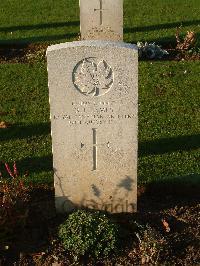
(169, 98)
(55, 21)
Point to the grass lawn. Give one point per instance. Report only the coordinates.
(168, 120)
(55, 21)
(169, 97)
(24, 96)
(169, 136)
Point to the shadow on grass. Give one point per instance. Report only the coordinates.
(165, 42)
(162, 26)
(176, 185)
(168, 42)
(36, 164)
(166, 145)
(24, 131)
(32, 164)
(188, 185)
(40, 26)
(36, 39)
(170, 192)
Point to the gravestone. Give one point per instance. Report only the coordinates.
(101, 20)
(93, 87)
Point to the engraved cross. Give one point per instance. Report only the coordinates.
(95, 145)
(94, 148)
(101, 11)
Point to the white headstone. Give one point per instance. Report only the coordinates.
(93, 88)
(101, 20)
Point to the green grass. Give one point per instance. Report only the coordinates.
(169, 98)
(169, 119)
(36, 21)
(157, 20)
(24, 96)
(56, 21)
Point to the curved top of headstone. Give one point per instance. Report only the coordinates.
(92, 43)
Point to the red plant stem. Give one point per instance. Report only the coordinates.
(16, 173)
(9, 171)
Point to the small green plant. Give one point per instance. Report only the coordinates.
(151, 244)
(89, 233)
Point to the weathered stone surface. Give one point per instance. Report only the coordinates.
(101, 20)
(93, 88)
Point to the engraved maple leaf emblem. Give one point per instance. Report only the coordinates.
(93, 78)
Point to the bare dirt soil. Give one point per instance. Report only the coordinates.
(30, 52)
(172, 212)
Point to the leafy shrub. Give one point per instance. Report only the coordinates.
(187, 43)
(89, 233)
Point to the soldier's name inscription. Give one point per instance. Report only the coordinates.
(102, 113)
